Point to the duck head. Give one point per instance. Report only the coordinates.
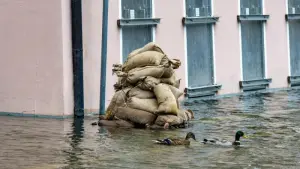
(190, 135)
(239, 134)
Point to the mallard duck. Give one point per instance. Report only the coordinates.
(236, 142)
(176, 141)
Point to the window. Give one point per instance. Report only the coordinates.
(294, 37)
(252, 41)
(199, 45)
(135, 36)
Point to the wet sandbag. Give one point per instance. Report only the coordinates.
(148, 83)
(176, 92)
(140, 93)
(119, 99)
(149, 105)
(168, 72)
(134, 75)
(171, 80)
(135, 115)
(148, 58)
(151, 46)
(177, 83)
(115, 123)
(166, 99)
(176, 63)
(173, 120)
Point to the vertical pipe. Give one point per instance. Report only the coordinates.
(77, 58)
(103, 57)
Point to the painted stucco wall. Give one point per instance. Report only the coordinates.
(35, 57)
(276, 43)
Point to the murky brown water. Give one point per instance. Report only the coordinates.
(272, 120)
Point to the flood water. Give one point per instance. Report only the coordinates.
(271, 120)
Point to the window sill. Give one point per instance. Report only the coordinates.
(202, 91)
(294, 80)
(252, 17)
(251, 85)
(199, 20)
(138, 22)
(289, 17)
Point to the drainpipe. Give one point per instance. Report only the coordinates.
(103, 57)
(77, 58)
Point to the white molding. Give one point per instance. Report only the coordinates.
(153, 16)
(288, 39)
(185, 48)
(240, 42)
(121, 33)
(265, 43)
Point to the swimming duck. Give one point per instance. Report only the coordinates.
(176, 141)
(236, 142)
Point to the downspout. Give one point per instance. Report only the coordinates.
(103, 58)
(77, 54)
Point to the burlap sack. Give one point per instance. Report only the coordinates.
(176, 63)
(134, 75)
(121, 84)
(171, 80)
(165, 61)
(176, 92)
(166, 99)
(151, 46)
(135, 115)
(147, 58)
(149, 105)
(173, 120)
(177, 83)
(115, 123)
(148, 83)
(168, 72)
(139, 93)
(119, 99)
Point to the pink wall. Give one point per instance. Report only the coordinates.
(170, 33)
(227, 46)
(35, 59)
(277, 49)
(92, 38)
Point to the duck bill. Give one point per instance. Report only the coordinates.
(245, 136)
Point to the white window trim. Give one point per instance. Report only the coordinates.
(213, 45)
(288, 39)
(265, 43)
(121, 32)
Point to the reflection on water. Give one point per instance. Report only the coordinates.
(271, 120)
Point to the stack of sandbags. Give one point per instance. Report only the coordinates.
(147, 89)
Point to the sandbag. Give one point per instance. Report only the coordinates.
(168, 72)
(151, 46)
(177, 83)
(171, 80)
(166, 99)
(165, 61)
(148, 83)
(115, 123)
(176, 92)
(147, 58)
(176, 63)
(149, 105)
(135, 115)
(119, 99)
(171, 119)
(134, 75)
(139, 93)
(121, 84)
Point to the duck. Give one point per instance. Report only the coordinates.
(236, 141)
(176, 141)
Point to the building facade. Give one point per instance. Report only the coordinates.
(225, 47)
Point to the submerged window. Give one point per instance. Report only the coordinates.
(294, 37)
(199, 38)
(134, 37)
(252, 34)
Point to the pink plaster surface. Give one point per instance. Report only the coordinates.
(32, 61)
(227, 46)
(276, 43)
